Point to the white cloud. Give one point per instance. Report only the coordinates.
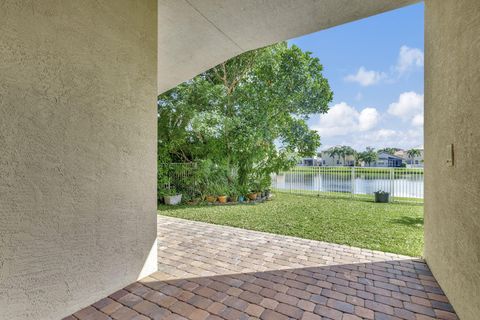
(408, 58)
(417, 120)
(343, 119)
(366, 77)
(378, 136)
(368, 119)
(384, 134)
(346, 125)
(409, 107)
(382, 138)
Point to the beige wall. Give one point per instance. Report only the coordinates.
(77, 136)
(77, 152)
(452, 115)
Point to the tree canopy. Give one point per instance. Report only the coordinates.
(342, 152)
(368, 156)
(412, 153)
(247, 114)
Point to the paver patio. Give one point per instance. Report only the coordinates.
(216, 272)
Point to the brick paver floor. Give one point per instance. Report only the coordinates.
(216, 272)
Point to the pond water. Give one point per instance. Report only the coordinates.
(408, 185)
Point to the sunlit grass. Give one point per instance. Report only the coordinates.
(391, 227)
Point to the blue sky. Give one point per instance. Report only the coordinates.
(375, 69)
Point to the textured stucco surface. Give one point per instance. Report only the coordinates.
(77, 152)
(452, 116)
(195, 35)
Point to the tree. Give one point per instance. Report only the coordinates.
(346, 151)
(247, 114)
(368, 156)
(412, 153)
(357, 156)
(334, 152)
(342, 152)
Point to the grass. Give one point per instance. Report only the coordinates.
(391, 227)
(345, 195)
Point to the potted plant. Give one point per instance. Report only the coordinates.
(252, 196)
(220, 191)
(223, 198)
(382, 196)
(242, 191)
(233, 194)
(193, 202)
(265, 184)
(191, 199)
(211, 193)
(172, 197)
(267, 193)
(211, 199)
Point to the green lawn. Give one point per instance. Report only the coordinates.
(395, 227)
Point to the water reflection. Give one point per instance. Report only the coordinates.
(407, 185)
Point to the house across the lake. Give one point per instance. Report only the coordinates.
(310, 162)
(323, 158)
(387, 160)
(399, 159)
(417, 161)
(327, 160)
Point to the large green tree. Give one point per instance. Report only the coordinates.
(247, 114)
(412, 153)
(342, 152)
(368, 156)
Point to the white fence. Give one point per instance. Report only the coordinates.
(403, 184)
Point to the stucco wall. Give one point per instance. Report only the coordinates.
(452, 115)
(77, 152)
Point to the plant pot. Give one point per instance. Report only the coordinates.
(193, 202)
(173, 200)
(211, 199)
(241, 199)
(233, 198)
(382, 197)
(252, 196)
(222, 199)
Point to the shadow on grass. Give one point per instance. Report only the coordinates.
(164, 207)
(409, 221)
(340, 198)
(347, 197)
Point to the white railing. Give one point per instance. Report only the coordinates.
(403, 184)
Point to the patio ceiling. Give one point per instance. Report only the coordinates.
(195, 35)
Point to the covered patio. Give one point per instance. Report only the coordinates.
(79, 83)
(209, 271)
